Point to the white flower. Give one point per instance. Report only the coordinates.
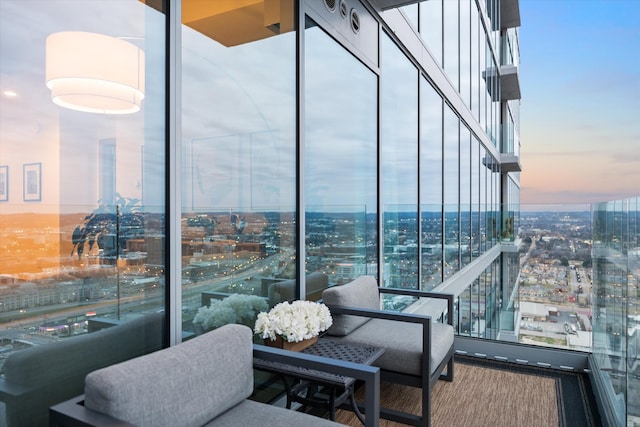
(294, 321)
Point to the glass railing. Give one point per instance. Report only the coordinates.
(616, 305)
(509, 140)
(510, 49)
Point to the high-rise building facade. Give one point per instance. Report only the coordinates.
(156, 154)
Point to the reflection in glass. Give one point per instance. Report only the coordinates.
(431, 27)
(465, 50)
(451, 39)
(430, 185)
(484, 182)
(475, 197)
(476, 72)
(411, 12)
(451, 192)
(465, 196)
(238, 162)
(399, 150)
(340, 161)
(82, 233)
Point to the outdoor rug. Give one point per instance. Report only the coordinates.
(493, 393)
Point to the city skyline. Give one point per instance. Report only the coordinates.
(580, 83)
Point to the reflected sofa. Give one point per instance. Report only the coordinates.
(205, 381)
(40, 376)
(417, 348)
(286, 290)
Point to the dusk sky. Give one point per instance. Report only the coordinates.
(580, 111)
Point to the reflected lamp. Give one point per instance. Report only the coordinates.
(94, 73)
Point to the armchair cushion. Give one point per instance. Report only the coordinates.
(360, 293)
(402, 342)
(187, 385)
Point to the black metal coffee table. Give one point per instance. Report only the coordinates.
(306, 384)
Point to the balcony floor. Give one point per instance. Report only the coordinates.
(492, 393)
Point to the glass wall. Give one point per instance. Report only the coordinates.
(475, 240)
(451, 41)
(431, 186)
(616, 308)
(341, 143)
(399, 167)
(465, 195)
(82, 193)
(451, 189)
(476, 307)
(238, 222)
(431, 27)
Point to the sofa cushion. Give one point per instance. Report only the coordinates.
(402, 342)
(250, 413)
(360, 293)
(187, 385)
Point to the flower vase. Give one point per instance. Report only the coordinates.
(292, 346)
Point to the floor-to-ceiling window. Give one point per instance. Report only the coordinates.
(82, 190)
(340, 153)
(430, 185)
(399, 166)
(238, 169)
(451, 192)
(431, 27)
(465, 196)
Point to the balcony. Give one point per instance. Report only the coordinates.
(509, 88)
(509, 83)
(510, 163)
(509, 14)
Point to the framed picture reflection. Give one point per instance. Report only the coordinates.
(32, 182)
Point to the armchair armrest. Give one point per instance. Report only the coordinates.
(72, 413)
(369, 374)
(10, 391)
(424, 294)
(380, 314)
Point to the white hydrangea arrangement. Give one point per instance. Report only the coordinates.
(235, 308)
(294, 321)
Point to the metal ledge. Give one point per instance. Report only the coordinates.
(509, 83)
(509, 162)
(509, 14)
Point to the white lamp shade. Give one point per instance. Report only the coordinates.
(94, 73)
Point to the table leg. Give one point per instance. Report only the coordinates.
(354, 405)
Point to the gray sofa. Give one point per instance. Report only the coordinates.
(40, 376)
(205, 381)
(417, 349)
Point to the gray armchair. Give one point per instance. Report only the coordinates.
(205, 381)
(417, 349)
